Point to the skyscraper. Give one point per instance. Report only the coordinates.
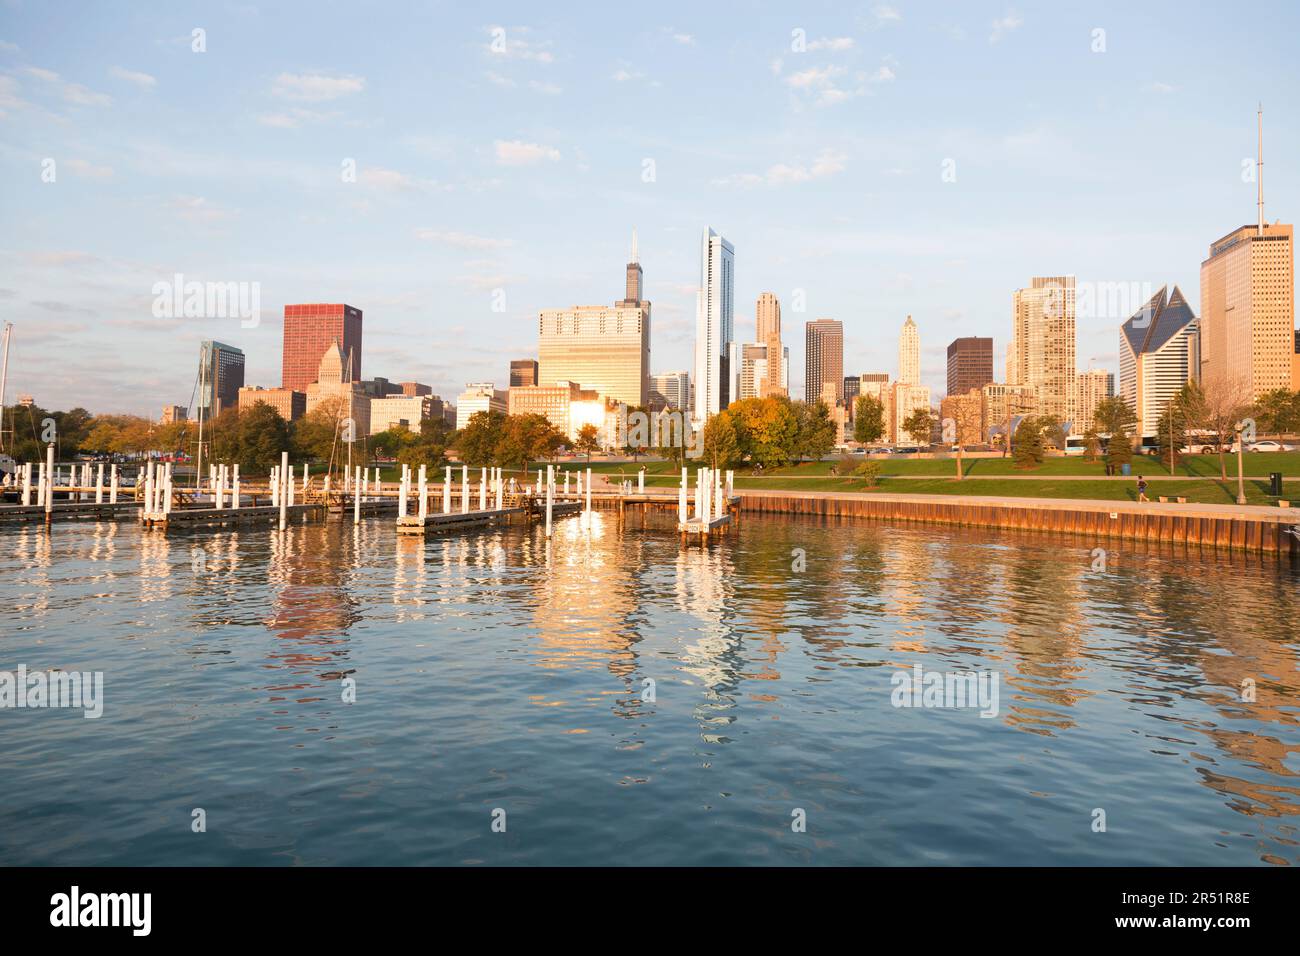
(713, 326)
(1042, 349)
(601, 347)
(767, 316)
(309, 331)
(1159, 350)
(909, 354)
(523, 372)
(970, 364)
(673, 389)
(1248, 304)
(221, 376)
(1094, 385)
(823, 358)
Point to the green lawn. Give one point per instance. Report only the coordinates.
(1207, 466)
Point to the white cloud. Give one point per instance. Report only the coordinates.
(462, 240)
(1159, 87)
(829, 163)
(89, 170)
(550, 89)
(316, 87)
(1005, 25)
(82, 96)
(142, 80)
(884, 13)
(518, 153)
(198, 209)
(49, 76)
(511, 43)
(497, 79)
(685, 39)
(834, 44)
(814, 77)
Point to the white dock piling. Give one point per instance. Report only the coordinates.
(682, 512)
(284, 470)
(482, 491)
(464, 489)
(112, 484)
(424, 495)
(446, 492)
(49, 485)
(550, 496)
(234, 489)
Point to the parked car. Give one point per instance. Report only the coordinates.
(1269, 445)
(858, 451)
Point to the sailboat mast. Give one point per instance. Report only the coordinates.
(4, 376)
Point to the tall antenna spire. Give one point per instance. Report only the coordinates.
(634, 258)
(1259, 174)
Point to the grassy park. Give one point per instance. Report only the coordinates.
(1196, 477)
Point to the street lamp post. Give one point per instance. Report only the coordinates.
(1241, 485)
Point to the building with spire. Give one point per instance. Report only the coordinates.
(1159, 351)
(1248, 304)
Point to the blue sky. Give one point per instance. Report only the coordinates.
(524, 169)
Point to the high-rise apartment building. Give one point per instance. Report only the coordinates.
(748, 366)
(673, 390)
(523, 372)
(309, 330)
(1094, 385)
(601, 347)
(767, 318)
(714, 305)
(221, 376)
(171, 414)
(1159, 351)
(970, 364)
(823, 358)
(909, 354)
(1042, 349)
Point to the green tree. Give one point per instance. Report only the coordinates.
(393, 441)
(262, 435)
(477, 442)
(1278, 411)
(721, 442)
(525, 438)
(315, 436)
(1027, 443)
(766, 429)
(588, 440)
(920, 425)
(816, 432)
(868, 419)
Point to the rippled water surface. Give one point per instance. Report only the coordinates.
(495, 671)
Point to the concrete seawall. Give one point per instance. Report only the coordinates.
(1240, 527)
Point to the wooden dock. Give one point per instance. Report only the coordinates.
(212, 517)
(1240, 527)
(67, 511)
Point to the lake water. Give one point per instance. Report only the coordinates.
(499, 677)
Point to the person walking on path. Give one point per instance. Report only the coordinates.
(1142, 489)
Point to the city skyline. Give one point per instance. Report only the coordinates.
(421, 237)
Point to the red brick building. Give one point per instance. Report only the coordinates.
(309, 330)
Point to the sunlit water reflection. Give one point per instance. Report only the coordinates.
(500, 670)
